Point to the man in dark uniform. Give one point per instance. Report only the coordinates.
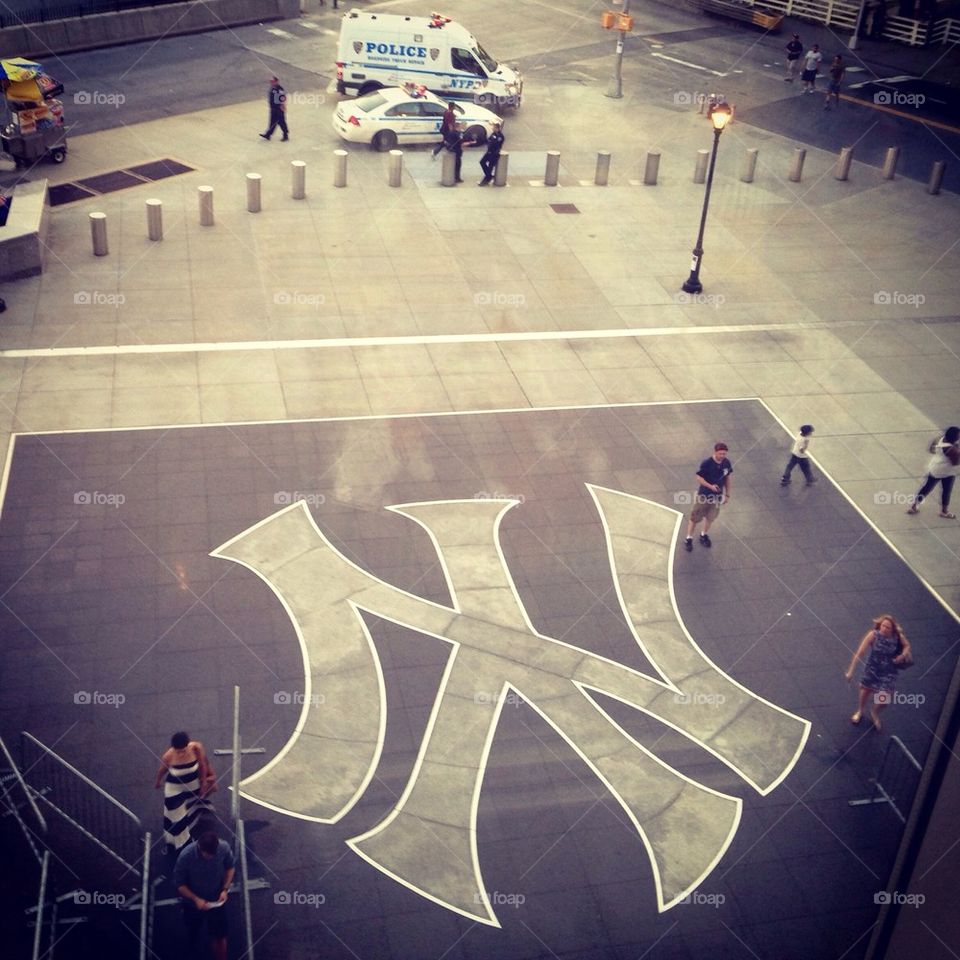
(488, 162)
(713, 475)
(277, 100)
(455, 143)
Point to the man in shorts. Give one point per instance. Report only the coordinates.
(203, 875)
(714, 490)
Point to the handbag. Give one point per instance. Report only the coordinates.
(906, 662)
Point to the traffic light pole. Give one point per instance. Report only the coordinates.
(616, 81)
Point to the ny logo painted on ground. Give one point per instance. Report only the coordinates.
(429, 840)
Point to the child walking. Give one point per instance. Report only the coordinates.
(799, 456)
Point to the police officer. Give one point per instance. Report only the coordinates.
(455, 144)
(488, 162)
(277, 100)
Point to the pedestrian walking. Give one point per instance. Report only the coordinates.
(277, 101)
(713, 476)
(202, 876)
(488, 162)
(943, 468)
(811, 67)
(799, 456)
(455, 143)
(187, 780)
(837, 70)
(446, 125)
(887, 650)
(794, 51)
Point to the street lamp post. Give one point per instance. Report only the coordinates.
(720, 117)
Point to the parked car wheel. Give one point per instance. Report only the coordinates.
(385, 140)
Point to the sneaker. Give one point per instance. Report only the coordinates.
(784, 482)
(811, 481)
(688, 544)
(284, 139)
(913, 509)
(265, 137)
(705, 541)
(482, 183)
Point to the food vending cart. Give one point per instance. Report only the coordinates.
(33, 128)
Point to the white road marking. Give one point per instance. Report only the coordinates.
(686, 63)
(283, 34)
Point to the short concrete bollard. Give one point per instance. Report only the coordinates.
(937, 171)
(253, 192)
(796, 167)
(749, 165)
(205, 203)
(890, 163)
(503, 162)
(700, 171)
(448, 169)
(98, 234)
(298, 179)
(842, 171)
(651, 169)
(552, 172)
(339, 168)
(602, 175)
(155, 219)
(395, 168)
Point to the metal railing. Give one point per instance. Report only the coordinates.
(896, 781)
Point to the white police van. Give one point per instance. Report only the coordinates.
(386, 50)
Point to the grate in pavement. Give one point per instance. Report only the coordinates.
(108, 182)
(159, 169)
(564, 208)
(68, 193)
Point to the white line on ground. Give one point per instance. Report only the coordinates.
(686, 63)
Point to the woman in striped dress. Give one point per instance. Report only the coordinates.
(187, 780)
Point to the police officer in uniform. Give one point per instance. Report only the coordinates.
(455, 144)
(488, 162)
(277, 100)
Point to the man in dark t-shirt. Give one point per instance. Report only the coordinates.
(277, 102)
(713, 476)
(203, 874)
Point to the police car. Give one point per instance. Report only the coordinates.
(396, 115)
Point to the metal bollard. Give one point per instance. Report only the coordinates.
(842, 171)
(552, 172)
(749, 165)
(253, 192)
(448, 169)
(700, 171)
(340, 168)
(298, 179)
(651, 169)
(98, 234)
(155, 219)
(395, 168)
(937, 171)
(205, 201)
(602, 176)
(500, 176)
(890, 163)
(796, 168)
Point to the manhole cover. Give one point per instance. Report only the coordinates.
(158, 169)
(68, 193)
(564, 208)
(108, 182)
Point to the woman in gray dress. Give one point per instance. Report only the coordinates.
(885, 647)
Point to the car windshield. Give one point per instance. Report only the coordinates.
(372, 101)
(486, 59)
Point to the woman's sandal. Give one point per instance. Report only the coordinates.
(856, 718)
(913, 508)
(948, 515)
